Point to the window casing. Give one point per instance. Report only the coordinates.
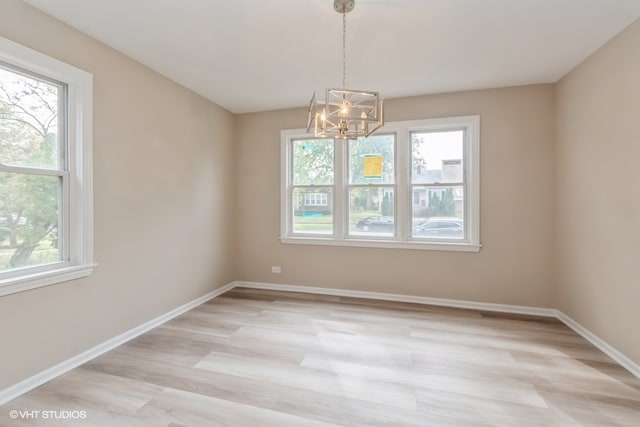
(45, 170)
(414, 185)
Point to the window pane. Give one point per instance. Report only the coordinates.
(371, 160)
(29, 134)
(371, 211)
(313, 162)
(29, 220)
(313, 210)
(438, 212)
(437, 157)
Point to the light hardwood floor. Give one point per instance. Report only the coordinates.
(265, 358)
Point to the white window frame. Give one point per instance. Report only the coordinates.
(404, 196)
(393, 187)
(77, 198)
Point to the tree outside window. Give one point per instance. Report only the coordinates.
(31, 174)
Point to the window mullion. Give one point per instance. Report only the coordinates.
(403, 189)
(340, 189)
(439, 184)
(312, 186)
(350, 186)
(286, 220)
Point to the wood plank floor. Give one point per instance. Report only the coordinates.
(265, 358)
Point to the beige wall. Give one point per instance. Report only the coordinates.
(598, 196)
(514, 265)
(163, 200)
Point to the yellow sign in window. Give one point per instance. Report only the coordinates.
(373, 166)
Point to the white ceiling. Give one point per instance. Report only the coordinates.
(255, 55)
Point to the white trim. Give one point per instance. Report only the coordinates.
(404, 197)
(471, 168)
(603, 346)
(472, 196)
(25, 386)
(46, 278)
(473, 305)
(40, 378)
(389, 244)
(285, 171)
(76, 233)
(81, 162)
(606, 348)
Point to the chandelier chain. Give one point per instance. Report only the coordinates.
(344, 49)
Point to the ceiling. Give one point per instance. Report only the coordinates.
(256, 55)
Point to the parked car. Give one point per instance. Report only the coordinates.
(375, 223)
(448, 228)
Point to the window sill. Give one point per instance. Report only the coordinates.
(388, 244)
(37, 280)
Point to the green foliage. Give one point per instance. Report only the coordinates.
(417, 160)
(447, 204)
(313, 159)
(443, 205)
(4, 233)
(433, 209)
(313, 162)
(381, 145)
(387, 205)
(365, 199)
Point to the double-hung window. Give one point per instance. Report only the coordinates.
(45, 170)
(371, 186)
(312, 187)
(413, 185)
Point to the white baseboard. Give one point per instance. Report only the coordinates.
(606, 348)
(24, 386)
(37, 380)
(502, 308)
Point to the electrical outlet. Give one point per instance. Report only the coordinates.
(276, 269)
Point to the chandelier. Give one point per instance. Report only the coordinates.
(345, 113)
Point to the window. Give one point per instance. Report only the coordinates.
(45, 175)
(437, 183)
(315, 199)
(371, 186)
(416, 185)
(312, 181)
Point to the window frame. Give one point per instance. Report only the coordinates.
(403, 187)
(383, 237)
(76, 202)
(292, 187)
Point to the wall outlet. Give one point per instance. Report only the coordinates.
(276, 269)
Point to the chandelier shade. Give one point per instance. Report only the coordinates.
(345, 113)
